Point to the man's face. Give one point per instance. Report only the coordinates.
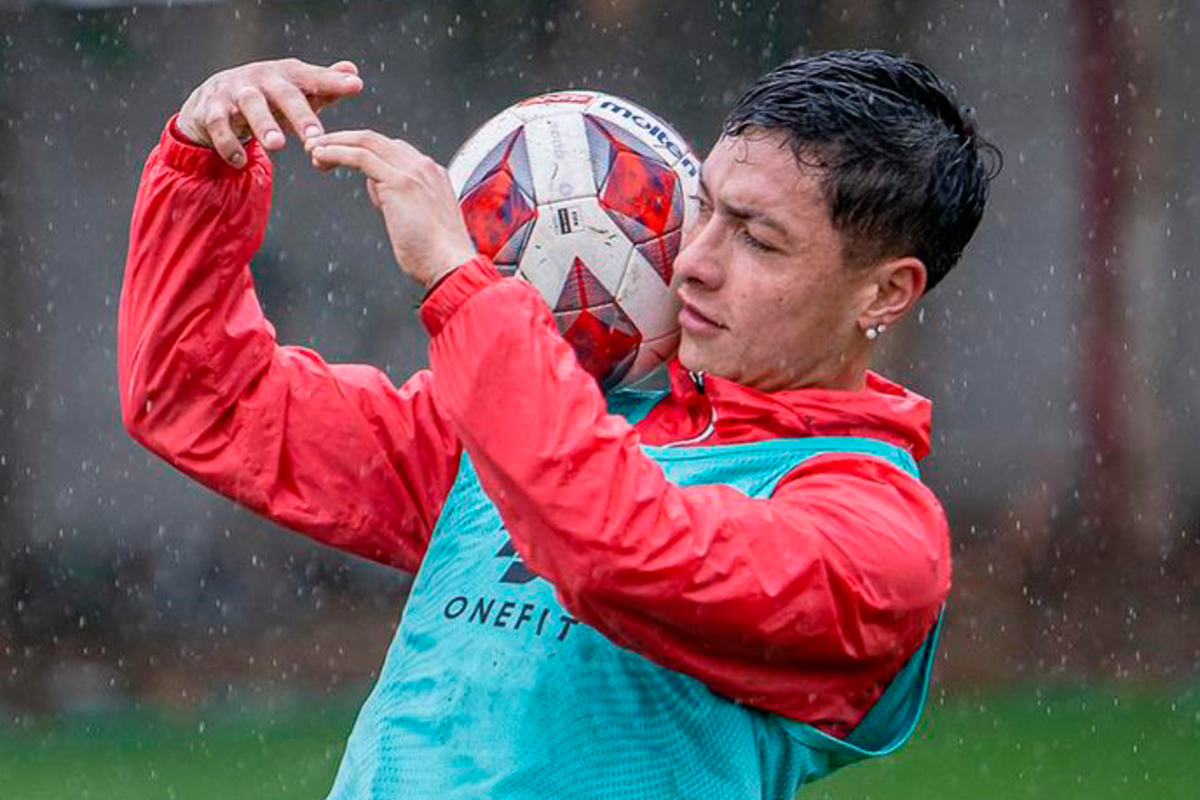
(767, 299)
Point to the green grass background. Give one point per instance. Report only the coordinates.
(1032, 743)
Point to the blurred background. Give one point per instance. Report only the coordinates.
(155, 641)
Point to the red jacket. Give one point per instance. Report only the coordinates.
(805, 604)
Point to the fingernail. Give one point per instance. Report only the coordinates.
(273, 139)
(311, 131)
(349, 79)
(236, 159)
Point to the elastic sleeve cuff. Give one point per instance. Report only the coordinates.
(454, 289)
(182, 154)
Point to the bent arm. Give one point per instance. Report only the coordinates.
(836, 577)
(335, 452)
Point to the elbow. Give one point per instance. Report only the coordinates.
(146, 403)
(131, 387)
(138, 412)
(135, 415)
(916, 587)
(132, 393)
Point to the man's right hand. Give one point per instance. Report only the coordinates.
(266, 99)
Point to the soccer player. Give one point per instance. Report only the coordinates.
(725, 590)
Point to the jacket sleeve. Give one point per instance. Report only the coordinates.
(840, 573)
(335, 452)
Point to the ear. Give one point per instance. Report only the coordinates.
(895, 286)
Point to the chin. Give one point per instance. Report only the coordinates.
(695, 359)
(690, 357)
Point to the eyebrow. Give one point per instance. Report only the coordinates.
(747, 214)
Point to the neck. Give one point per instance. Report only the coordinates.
(847, 372)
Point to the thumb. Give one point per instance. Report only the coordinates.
(320, 101)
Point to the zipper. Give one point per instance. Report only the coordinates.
(698, 382)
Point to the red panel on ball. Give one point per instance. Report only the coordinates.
(641, 190)
(494, 211)
(582, 289)
(604, 340)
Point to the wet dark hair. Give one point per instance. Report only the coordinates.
(904, 170)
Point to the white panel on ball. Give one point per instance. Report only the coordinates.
(569, 230)
(648, 301)
(558, 150)
(490, 134)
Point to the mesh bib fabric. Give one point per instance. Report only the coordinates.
(492, 690)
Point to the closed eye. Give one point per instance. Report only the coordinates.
(757, 244)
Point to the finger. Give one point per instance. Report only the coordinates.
(396, 150)
(291, 102)
(359, 158)
(373, 192)
(319, 101)
(191, 121)
(257, 112)
(322, 166)
(355, 138)
(327, 83)
(224, 140)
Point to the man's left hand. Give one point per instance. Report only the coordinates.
(412, 191)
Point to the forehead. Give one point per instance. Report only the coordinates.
(759, 170)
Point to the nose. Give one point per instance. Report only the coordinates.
(699, 263)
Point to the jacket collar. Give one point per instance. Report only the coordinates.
(881, 410)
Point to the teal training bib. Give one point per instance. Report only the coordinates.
(492, 690)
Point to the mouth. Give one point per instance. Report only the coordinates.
(696, 321)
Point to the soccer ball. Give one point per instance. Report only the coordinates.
(585, 195)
